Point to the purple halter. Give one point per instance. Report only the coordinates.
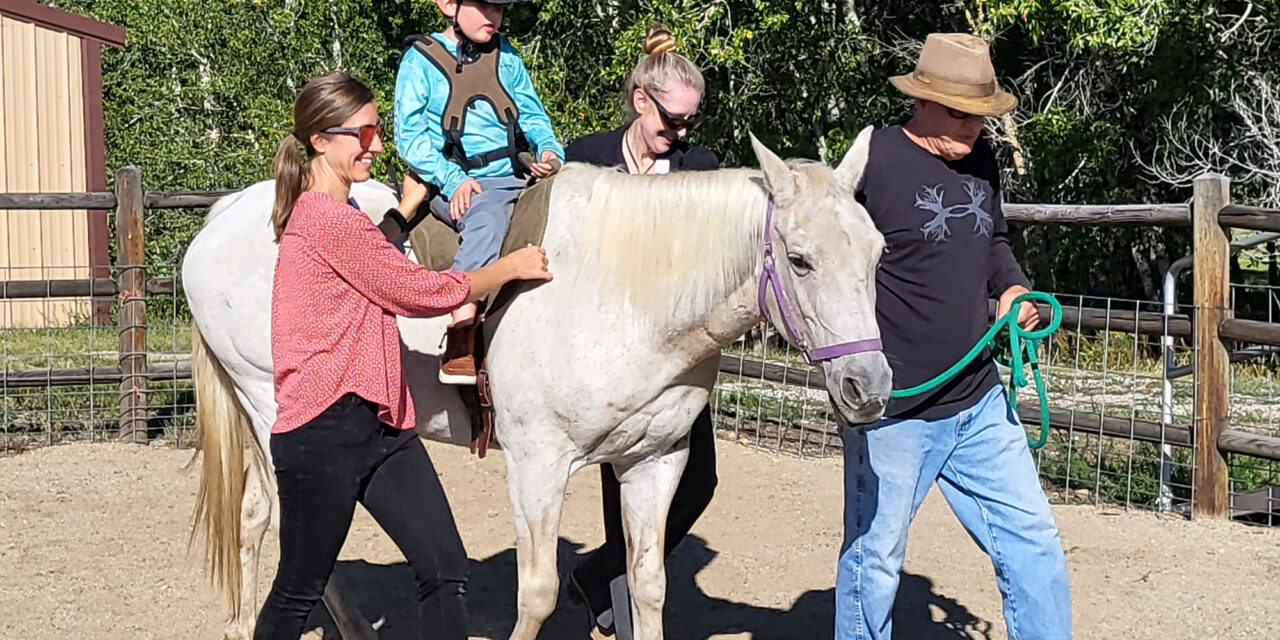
(769, 277)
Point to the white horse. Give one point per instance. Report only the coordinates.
(609, 362)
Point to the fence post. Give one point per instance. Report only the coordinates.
(1210, 483)
(131, 262)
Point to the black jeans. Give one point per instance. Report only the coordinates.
(692, 496)
(346, 455)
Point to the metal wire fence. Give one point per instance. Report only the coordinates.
(1119, 380)
(1122, 374)
(1254, 404)
(61, 381)
(1133, 379)
(1121, 415)
(1122, 395)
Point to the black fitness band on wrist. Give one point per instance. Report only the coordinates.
(395, 214)
(406, 225)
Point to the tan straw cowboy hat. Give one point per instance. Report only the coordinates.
(955, 70)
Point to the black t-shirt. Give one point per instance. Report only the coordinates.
(605, 149)
(946, 254)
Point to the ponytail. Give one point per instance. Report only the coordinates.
(290, 181)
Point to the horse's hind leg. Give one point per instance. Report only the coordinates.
(647, 489)
(255, 518)
(537, 485)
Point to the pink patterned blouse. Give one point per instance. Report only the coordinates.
(338, 288)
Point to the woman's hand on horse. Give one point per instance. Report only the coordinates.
(544, 168)
(529, 263)
(461, 200)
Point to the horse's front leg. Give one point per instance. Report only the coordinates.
(536, 480)
(647, 489)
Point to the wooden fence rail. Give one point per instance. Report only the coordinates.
(58, 201)
(85, 376)
(109, 200)
(1145, 215)
(1147, 323)
(77, 288)
(1210, 436)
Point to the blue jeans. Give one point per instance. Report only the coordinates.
(483, 227)
(981, 462)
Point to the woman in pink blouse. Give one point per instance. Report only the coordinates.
(344, 428)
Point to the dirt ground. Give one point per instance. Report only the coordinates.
(93, 543)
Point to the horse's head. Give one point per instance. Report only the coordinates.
(825, 250)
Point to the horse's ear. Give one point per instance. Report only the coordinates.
(849, 173)
(777, 177)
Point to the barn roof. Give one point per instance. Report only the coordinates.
(65, 21)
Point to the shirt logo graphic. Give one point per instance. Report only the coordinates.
(930, 199)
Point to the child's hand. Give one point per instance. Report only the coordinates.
(544, 168)
(461, 200)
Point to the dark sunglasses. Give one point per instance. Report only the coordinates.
(675, 123)
(958, 114)
(366, 132)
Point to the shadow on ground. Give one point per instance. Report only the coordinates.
(387, 592)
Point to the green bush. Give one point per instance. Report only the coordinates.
(200, 94)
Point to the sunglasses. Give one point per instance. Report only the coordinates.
(675, 123)
(366, 132)
(959, 115)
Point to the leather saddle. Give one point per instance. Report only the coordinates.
(435, 243)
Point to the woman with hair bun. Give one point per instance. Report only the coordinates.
(660, 99)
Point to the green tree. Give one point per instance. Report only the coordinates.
(1120, 100)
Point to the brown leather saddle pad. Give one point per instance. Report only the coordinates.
(435, 243)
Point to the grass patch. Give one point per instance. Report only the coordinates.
(35, 416)
(76, 347)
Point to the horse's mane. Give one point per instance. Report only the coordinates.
(672, 245)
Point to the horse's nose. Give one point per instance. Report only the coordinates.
(857, 392)
(852, 388)
(865, 383)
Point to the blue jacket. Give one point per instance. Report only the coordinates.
(421, 94)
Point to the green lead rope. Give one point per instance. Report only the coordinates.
(1020, 341)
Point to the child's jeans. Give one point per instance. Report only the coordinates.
(484, 225)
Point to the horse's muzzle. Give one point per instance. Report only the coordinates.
(860, 385)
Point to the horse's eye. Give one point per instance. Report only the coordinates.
(798, 262)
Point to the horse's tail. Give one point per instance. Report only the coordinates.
(221, 427)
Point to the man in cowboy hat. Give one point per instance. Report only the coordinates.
(932, 187)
